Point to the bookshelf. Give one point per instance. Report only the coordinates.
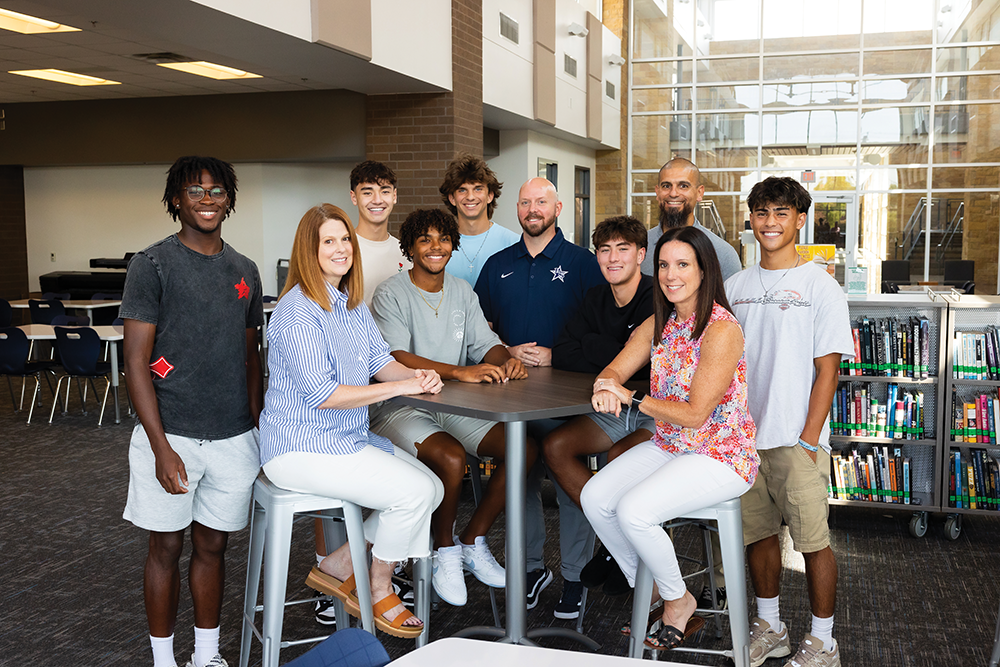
(969, 315)
(893, 460)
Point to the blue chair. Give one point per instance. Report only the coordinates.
(79, 352)
(70, 321)
(350, 647)
(57, 296)
(43, 310)
(6, 313)
(105, 315)
(14, 362)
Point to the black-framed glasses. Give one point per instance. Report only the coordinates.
(197, 193)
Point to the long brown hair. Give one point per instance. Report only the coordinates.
(303, 267)
(711, 291)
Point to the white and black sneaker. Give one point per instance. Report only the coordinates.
(403, 588)
(705, 599)
(535, 583)
(569, 604)
(324, 612)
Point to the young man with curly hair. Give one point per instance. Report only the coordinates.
(430, 319)
(470, 191)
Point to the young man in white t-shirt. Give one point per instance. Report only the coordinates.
(470, 191)
(373, 191)
(797, 330)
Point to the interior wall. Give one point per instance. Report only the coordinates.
(79, 213)
(520, 151)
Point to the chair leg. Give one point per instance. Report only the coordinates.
(422, 596)
(13, 401)
(731, 542)
(34, 397)
(104, 403)
(640, 609)
(24, 380)
(258, 524)
(278, 537)
(55, 399)
(359, 558)
(69, 382)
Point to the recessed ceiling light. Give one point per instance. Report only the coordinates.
(211, 70)
(61, 76)
(30, 25)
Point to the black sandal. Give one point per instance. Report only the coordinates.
(670, 637)
(654, 615)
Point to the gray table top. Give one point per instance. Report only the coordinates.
(546, 393)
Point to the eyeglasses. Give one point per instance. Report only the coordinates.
(196, 193)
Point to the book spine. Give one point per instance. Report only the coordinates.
(972, 486)
(925, 347)
(906, 481)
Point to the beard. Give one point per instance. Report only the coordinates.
(670, 218)
(537, 228)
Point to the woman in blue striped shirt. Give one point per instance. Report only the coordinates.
(314, 437)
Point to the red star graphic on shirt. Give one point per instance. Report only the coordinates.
(161, 367)
(242, 289)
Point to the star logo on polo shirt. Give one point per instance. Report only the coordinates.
(242, 289)
(559, 274)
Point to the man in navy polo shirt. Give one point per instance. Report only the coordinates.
(528, 292)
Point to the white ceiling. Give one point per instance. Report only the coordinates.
(114, 31)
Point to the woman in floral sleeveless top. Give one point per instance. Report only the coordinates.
(703, 451)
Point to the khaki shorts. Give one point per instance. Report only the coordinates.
(406, 426)
(792, 487)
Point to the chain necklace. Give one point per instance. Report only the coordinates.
(421, 293)
(472, 262)
(760, 273)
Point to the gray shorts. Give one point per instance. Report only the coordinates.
(616, 428)
(406, 426)
(220, 476)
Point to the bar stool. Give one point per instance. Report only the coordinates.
(731, 539)
(274, 510)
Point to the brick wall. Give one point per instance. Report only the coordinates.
(419, 134)
(13, 238)
(611, 181)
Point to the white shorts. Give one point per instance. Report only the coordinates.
(220, 476)
(406, 426)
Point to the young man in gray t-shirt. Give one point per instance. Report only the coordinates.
(432, 319)
(191, 307)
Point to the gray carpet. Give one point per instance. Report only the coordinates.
(71, 570)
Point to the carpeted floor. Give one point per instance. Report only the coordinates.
(71, 571)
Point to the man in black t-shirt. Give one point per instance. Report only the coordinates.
(591, 341)
(191, 307)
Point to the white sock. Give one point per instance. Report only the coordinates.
(206, 645)
(319, 559)
(822, 629)
(163, 651)
(767, 610)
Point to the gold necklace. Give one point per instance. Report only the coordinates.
(421, 293)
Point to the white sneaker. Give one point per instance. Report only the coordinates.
(448, 580)
(217, 661)
(478, 560)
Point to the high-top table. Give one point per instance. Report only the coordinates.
(546, 393)
(106, 333)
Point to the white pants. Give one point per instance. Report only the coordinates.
(628, 500)
(403, 491)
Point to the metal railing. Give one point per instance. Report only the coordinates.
(708, 216)
(954, 227)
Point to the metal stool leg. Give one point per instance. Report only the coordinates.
(422, 596)
(640, 609)
(995, 658)
(359, 558)
(731, 540)
(278, 537)
(257, 526)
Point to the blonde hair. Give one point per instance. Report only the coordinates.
(303, 267)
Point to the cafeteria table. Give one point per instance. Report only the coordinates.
(105, 333)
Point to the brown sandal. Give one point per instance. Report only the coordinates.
(395, 627)
(655, 611)
(342, 590)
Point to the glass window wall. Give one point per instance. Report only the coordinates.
(892, 106)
